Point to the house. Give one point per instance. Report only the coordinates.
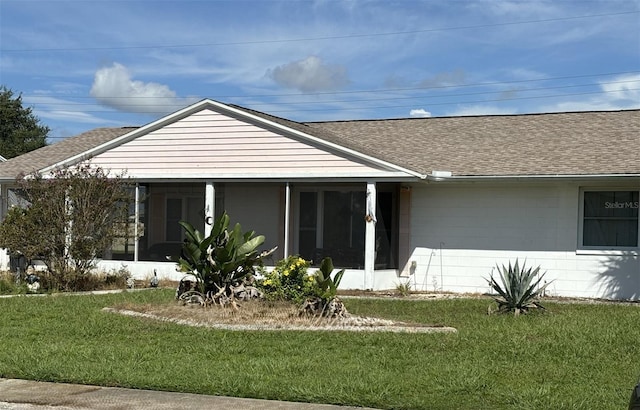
(433, 202)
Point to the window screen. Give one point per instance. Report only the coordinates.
(610, 218)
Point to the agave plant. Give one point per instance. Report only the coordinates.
(519, 289)
(221, 261)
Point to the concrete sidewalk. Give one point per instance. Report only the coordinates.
(30, 395)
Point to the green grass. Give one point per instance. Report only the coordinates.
(574, 356)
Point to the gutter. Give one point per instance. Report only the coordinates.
(446, 176)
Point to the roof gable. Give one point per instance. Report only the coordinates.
(204, 141)
(212, 143)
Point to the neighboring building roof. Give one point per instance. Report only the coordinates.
(54, 153)
(567, 144)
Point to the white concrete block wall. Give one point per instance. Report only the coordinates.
(459, 233)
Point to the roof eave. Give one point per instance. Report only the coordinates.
(541, 177)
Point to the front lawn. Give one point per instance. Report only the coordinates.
(575, 356)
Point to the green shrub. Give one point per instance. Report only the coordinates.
(8, 284)
(519, 289)
(222, 261)
(324, 301)
(326, 287)
(288, 280)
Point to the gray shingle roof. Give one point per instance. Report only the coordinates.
(54, 153)
(581, 143)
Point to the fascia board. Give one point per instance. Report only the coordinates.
(556, 177)
(395, 176)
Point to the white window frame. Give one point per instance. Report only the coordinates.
(603, 249)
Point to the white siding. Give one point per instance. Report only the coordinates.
(209, 144)
(459, 233)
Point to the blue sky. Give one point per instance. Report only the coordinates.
(89, 63)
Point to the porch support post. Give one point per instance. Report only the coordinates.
(4, 256)
(370, 236)
(136, 219)
(209, 207)
(287, 215)
(4, 203)
(68, 208)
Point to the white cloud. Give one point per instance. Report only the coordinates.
(61, 109)
(624, 87)
(482, 110)
(620, 93)
(71, 116)
(114, 87)
(419, 113)
(310, 75)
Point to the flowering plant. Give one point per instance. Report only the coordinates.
(288, 280)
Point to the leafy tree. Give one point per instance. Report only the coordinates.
(73, 218)
(20, 129)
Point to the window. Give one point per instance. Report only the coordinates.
(610, 219)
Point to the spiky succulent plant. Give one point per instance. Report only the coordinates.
(520, 288)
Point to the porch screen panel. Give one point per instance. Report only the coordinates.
(611, 218)
(386, 244)
(174, 215)
(123, 246)
(308, 230)
(344, 228)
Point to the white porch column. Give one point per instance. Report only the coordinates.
(4, 204)
(287, 215)
(4, 256)
(136, 219)
(370, 236)
(209, 207)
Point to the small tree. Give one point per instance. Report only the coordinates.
(73, 218)
(20, 129)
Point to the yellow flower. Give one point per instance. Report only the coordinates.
(267, 282)
(286, 272)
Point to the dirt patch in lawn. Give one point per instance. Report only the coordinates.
(260, 315)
